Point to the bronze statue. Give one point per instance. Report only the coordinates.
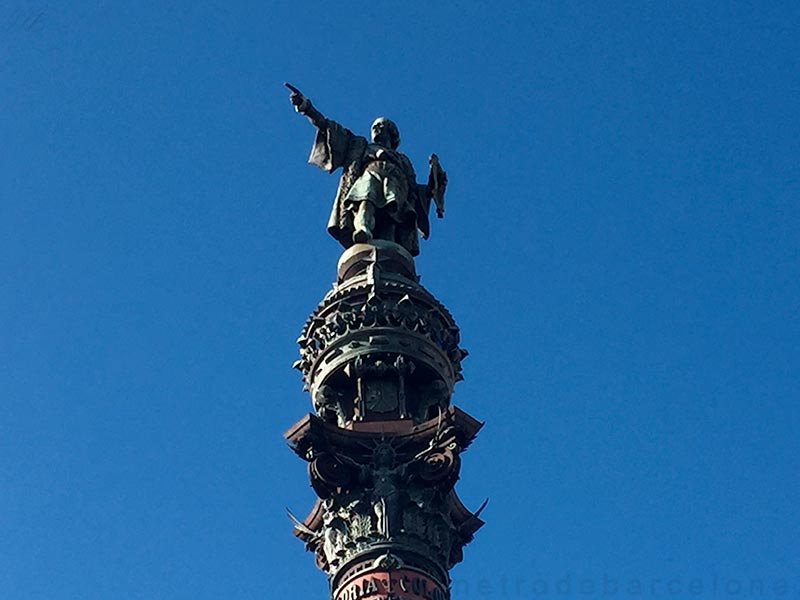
(378, 195)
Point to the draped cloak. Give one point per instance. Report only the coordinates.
(370, 172)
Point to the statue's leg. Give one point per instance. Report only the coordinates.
(363, 222)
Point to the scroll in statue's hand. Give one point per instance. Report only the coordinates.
(437, 183)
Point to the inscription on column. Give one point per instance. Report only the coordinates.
(402, 584)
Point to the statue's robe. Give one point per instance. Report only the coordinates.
(370, 172)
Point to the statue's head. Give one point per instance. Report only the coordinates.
(385, 133)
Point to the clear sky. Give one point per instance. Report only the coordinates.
(620, 250)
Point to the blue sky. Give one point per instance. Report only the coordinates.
(620, 250)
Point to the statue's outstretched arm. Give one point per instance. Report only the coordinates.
(304, 107)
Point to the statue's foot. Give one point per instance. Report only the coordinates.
(362, 236)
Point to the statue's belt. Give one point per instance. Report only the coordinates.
(385, 168)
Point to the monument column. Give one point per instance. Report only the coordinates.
(380, 356)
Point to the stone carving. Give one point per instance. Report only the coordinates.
(328, 473)
(328, 403)
(392, 339)
(378, 195)
(396, 490)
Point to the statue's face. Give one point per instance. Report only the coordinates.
(382, 133)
